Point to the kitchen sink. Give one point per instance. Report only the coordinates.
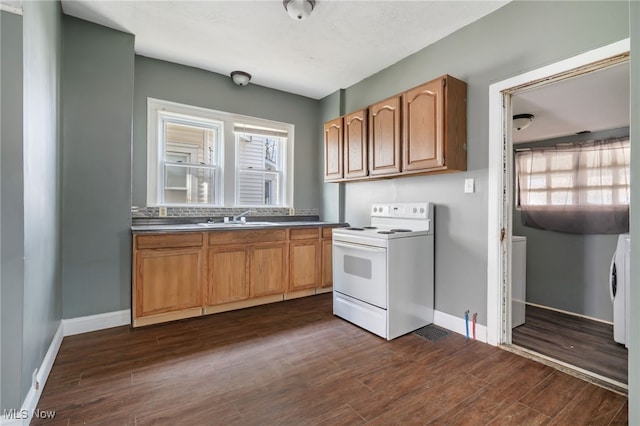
(235, 224)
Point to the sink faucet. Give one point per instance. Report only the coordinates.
(239, 216)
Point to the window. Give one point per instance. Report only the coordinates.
(189, 162)
(579, 183)
(188, 147)
(259, 171)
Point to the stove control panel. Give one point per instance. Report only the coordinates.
(401, 210)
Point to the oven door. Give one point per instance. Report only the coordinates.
(360, 271)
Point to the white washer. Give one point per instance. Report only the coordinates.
(619, 282)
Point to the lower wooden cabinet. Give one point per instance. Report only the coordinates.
(167, 277)
(304, 264)
(169, 281)
(327, 264)
(180, 275)
(268, 266)
(228, 275)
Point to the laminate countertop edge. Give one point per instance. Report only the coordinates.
(194, 227)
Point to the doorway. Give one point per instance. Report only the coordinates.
(501, 191)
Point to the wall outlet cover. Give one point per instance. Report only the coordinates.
(469, 186)
(162, 212)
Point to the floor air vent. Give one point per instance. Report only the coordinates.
(431, 332)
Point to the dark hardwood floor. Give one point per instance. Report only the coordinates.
(294, 363)
(577, 341)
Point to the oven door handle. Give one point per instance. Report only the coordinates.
(359, 247)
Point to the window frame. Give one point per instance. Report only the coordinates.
(225, 180)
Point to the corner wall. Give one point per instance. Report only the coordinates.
(98, 70)
(31, 287)
(634, 347)
(11, 210)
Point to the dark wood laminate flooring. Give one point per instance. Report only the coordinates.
(294, 363)
(577, 341)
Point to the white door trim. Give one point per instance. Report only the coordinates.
(498, 281)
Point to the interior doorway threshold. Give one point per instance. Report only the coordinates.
(580, 373)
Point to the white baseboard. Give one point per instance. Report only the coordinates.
(67, 327)
(97, 322)
(26, 413)
(457, 324)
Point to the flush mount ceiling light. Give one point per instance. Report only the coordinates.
(240, 78)
(299, 10)
(522, 121)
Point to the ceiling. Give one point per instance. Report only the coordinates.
(341, 43)
(590, 102)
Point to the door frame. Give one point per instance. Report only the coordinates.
(500, 181)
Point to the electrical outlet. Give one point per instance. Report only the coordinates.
(34, 379)
(162, 212)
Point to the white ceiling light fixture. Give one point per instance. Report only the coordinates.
(299, 10)
(240, 78)
(522, 121)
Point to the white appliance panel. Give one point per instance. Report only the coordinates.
(362, 314)
(361, 272)
(384, 282)
(619, 289)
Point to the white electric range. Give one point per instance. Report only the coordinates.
(383, 273)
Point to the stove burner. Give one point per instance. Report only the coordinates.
(354, 229)
(386, 232)
(401, 230)
(370, 227)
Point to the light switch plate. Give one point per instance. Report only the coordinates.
(469, 186)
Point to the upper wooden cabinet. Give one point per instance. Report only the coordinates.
(333, 150)
(434, 132)
(384, 137)
(355, 145)
(420, 131)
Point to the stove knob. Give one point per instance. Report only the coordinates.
(415, 210)
(421, 209)
(375, 209)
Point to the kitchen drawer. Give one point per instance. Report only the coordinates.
(304, 233)
(248, 236)
(160, 241)
(327, 232)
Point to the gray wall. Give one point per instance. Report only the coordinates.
(192, 86)
(31, 226)
(11, 209)
(518, 37)
(98, 73)
(331, 194)
(634, 347)
(569, 271)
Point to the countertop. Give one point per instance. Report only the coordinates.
(195, 227)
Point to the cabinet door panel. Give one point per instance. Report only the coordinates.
(167, 280)
(333, 149)
(423, 121)
(384, 137)
(327, 263)
(355, 145)
(227, 275)
(268, 269)
(304, 261)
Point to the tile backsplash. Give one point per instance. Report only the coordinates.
(152, 212)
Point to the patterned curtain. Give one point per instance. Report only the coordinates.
(581, 188)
